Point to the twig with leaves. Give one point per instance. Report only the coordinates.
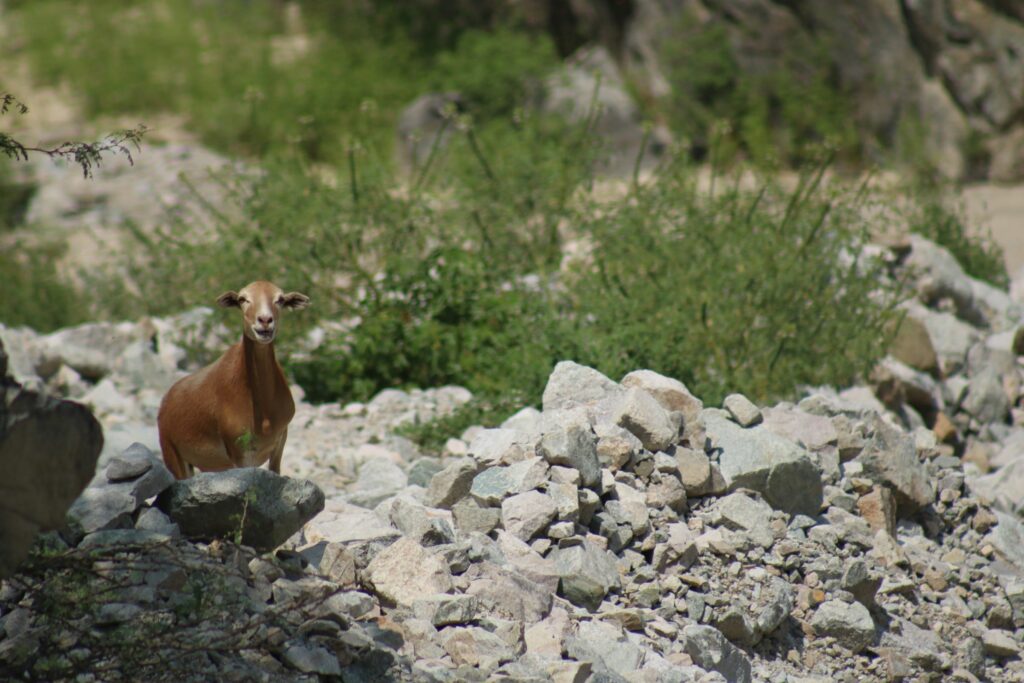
(88, 155)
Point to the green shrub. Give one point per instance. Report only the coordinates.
(493, 70)
(779, 116)
(433, 26)
(733, 291)
(445, 319)
(331, 235)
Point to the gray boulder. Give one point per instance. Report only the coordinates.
(527, 514)
(644, 417)
(451, 484)
(1008, 538)
(508, 594)
(670, 393)
(605, 646)
(742, 409)
(423, 124)
(711, 650)
(592, 76)
(48, 451)
(1004, 487)
(379, 479)
(986, 399)
(312, 659)
(260, 508)
(568, 440)
(476, 647)
(586, 572)
(889, 457)
(405, 571)
(494, 484)
(428, 526)
(739, 511)
(131, 478)
(572, 385)
(500, 446)
(848, 622)
(949, 336)
(939, 276)
(760, 460)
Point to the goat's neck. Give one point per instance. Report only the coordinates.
(262, 373)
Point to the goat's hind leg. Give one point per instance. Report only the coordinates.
(275, 458)
(175, 463)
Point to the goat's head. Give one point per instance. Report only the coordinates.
(261, 303)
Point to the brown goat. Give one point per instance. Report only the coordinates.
(235, 411)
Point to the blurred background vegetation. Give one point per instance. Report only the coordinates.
(504, 251)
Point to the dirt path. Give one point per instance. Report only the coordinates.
(1000, 208)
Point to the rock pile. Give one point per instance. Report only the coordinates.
(623, 532)
(125, 589)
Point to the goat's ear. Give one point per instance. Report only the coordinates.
(294, 300)
(229, 299)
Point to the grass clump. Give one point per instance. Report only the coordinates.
(934, 216)
(33, 293)
(243, 80)
(258, 79)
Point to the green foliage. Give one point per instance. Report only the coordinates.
(487, 412)
(456, 276)
(246, 440)
(14, 197)
(242, 83)
(733, 290)
(493, 70)
(933, 215)
(34, 294)
(781, 115)
(432, 26)
(442, 319)
(459, 279)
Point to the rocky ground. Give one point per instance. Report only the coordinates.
(624, 532)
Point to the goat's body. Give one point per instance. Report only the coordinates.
(232, 413)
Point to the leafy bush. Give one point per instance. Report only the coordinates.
(733, 290)
(444, 320)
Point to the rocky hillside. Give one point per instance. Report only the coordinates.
(623, 532)
(957, 68)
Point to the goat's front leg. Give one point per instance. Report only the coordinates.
(275, 457)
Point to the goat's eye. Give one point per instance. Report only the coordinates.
(243, 300)
(279, 300)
